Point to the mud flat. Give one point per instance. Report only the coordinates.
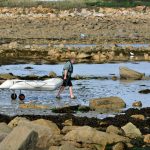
(41, 34)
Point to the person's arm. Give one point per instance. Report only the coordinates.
(65, 74)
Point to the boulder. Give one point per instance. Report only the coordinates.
(2, 136)
(139, 117)
(147, 138)
(126, 73)
(120, 146)
(13, 45)
(7, 76)
(68, 122)
(145, 91)
(46, 135)
(137, 104)
(33, 106)
(67, 129)
(52, 74)
(108, 103)
(132, 131)
(21, 138)
(48, 124)
(13, 123)
(114, 129)
(5, 128)
(90, 135)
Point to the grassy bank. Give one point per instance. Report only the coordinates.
(68, 4)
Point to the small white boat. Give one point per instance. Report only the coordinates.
(35, 85)
(47, 85)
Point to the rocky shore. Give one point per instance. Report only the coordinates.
(40, 34)
(127, 131)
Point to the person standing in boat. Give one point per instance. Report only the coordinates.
(66, 74)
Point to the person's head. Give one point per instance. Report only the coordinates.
(72, 60)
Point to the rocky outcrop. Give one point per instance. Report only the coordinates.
(5, 128)
(126, 73)
(115, 130)
(92, 136)
(46, 135)
(138, 117)
(20, 138)
(107, 104)
(137, 104)
(48, 124)
(132, 131)
(147, 138)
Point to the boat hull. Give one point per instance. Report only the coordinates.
(46, 85)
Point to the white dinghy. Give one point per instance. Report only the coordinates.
(35, 85)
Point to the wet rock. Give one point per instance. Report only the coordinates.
(114, 78)
(147, 138)
(84, 108)
(146, 91)
(120, 146)
(7, 76)
(20, 138)
(132, 131)
(137, 104)
(52, 74)
(126, 73)
(114, 129)
(28, 68)
(13, 123)
(48, 124)
(32, 106)
(107, 104)
(66, 109)
(90, 135)
(139, 117)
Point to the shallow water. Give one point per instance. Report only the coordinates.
(80, 69)
(83, 89)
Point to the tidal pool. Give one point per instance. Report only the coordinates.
(85, 90)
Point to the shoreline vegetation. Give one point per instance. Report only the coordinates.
(70, 4)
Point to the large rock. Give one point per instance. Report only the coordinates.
(48, 124)
(126, 73)
(119, 146)
(5, 128)
(13, 123)
(46, 135)
(114, 129)
(108, 103)
(147, 138)
(52, 74)
(138, 117)
(90, 135)
(3, 136)
(67, 129)
(132, 131)
(21, 138)
(137, 104)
